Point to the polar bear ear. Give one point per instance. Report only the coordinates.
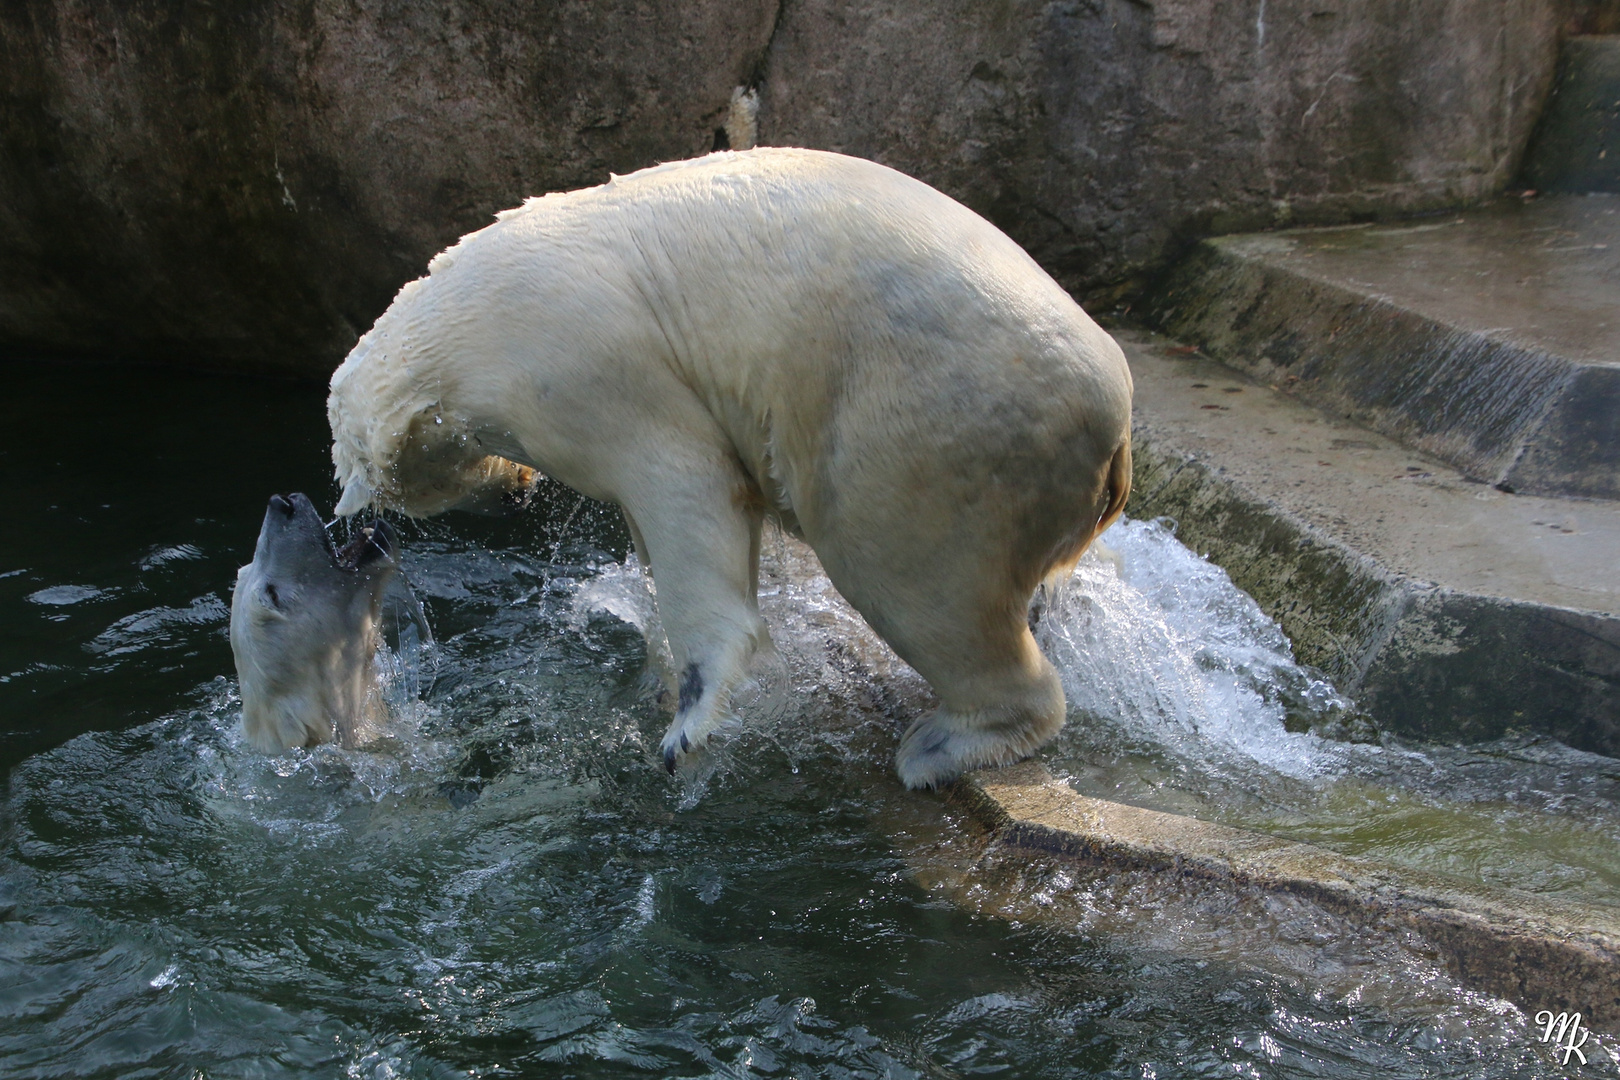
(356, 497)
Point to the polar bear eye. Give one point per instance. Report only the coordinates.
(272, 597)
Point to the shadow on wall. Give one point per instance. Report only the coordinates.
(1594, 17)
(247, 186)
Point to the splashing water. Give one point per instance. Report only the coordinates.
(507, 884)
(1184, 696)
(1160, 646)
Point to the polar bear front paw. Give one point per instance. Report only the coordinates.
(684, 736)
(695, 716)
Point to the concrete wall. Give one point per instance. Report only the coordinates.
(247, 184)
(1102, 133)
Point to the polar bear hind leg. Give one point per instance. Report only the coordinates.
(1000, 699)
(953, 601)
(996, 712)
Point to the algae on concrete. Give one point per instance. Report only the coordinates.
(1534, 950)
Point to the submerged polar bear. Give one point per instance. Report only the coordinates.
(785, 333)
(304, 627)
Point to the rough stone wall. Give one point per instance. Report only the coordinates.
(250, 182)
(1101, 133)
(247, 184)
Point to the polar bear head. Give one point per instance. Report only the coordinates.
(304, 629)
(421, 462)
(396, 444)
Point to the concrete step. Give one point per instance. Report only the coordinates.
(1537, 951)
(1451, 609)
(1486, 340)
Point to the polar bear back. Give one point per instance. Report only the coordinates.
(807, 299)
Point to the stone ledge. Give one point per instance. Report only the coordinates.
(1539, 952)
(1448, 609)
(1483, 339)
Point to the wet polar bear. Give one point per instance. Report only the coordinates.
(305, 620)
(785, 333)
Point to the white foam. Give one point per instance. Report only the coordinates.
(1154, 639)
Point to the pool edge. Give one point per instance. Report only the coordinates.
(1538, 952)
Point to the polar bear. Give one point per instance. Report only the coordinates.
(304, 630)
(776, 333)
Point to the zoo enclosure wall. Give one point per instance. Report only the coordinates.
(245, 186)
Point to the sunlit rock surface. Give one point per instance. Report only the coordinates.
(248, 186)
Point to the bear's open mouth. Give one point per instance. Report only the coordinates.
(372, 543)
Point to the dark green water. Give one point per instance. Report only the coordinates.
(508, 885)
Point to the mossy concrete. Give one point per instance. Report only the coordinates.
(1537, 951)
(1450, 609)
(1485, 339)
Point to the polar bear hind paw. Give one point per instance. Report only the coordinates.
(943, 745)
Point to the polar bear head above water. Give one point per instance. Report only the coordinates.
(304, 629)
(776, 333)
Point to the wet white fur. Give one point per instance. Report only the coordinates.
(306, 667)
(783, 332)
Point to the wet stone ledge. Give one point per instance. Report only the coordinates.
(1483, 339)
(1449, 609)
(1536, 951)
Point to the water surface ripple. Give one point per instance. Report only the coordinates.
(509, 885)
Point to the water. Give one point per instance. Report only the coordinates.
(509, 885)
(1185, 697)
